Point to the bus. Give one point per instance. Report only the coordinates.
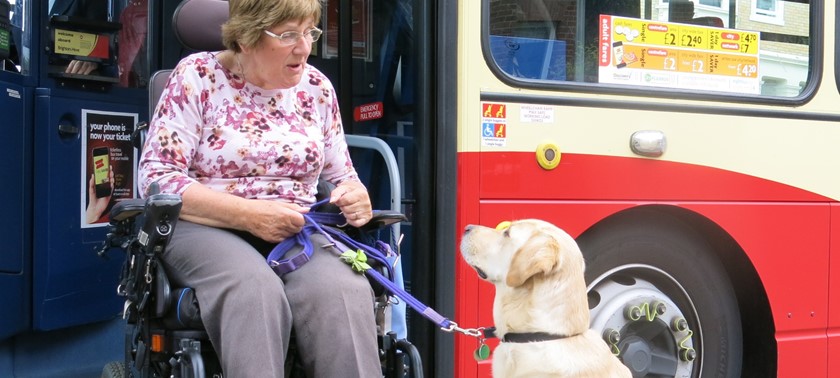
(689, 146)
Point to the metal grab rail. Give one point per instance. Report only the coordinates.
(379, 145)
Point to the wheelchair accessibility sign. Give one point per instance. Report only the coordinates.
(493, 124)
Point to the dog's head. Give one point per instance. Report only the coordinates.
(515, 253)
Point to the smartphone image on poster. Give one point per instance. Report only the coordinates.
(101, 168)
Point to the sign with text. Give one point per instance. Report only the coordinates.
(81, 44)
(672, 55)
(108, 164)
(368, 112)
(494, 124)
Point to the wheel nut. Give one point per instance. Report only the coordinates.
(633, 313)
(679, 325)
(688, 354)
(660, 308)
(612, 336)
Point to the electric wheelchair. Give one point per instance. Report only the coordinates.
(164, 333)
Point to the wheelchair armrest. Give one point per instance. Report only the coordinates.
(382, 219)
(127, 209)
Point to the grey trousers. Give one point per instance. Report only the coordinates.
(249, 311)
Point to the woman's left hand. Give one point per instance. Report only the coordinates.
(353, 200)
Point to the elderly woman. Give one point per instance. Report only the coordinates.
(243, 135)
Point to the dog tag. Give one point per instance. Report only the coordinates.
(482, 353)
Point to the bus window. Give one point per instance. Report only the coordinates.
(740, 47)
(119, 55)
(15, 50)
(5, 30)
(132, 59)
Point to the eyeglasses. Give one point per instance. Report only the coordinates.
(292, 37)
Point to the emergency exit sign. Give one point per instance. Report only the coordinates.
(368, 112)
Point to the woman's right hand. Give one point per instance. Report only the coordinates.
(274, 221)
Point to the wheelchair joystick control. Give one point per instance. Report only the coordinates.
(161, 213)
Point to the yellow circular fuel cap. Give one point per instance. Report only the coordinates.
(548, 155)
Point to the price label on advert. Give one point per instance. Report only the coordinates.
(666, 54)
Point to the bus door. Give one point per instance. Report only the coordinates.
(91, 72)
(371, 52)
(16, 154)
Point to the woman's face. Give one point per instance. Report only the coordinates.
(279, 65)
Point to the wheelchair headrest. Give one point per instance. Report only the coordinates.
(198, 24)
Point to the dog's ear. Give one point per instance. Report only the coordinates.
(538, 256)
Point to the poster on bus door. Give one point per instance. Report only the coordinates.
(672, 55)
(108, 164)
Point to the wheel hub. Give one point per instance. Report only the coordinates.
(642, 324)
(636, 354)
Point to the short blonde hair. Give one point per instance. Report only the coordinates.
(248, 19)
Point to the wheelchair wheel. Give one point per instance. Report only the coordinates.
(401, 359)
(413, 365)
(114, 369)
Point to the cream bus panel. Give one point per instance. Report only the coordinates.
(771, 131)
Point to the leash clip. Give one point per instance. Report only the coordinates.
(453, 327)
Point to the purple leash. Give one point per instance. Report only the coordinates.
(338, 239)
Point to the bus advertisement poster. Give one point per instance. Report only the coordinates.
(108, 162)
(674, 55)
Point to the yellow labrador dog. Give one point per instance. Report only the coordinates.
(540, 310)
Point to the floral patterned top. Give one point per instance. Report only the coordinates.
(213, 127)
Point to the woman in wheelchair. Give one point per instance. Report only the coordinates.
(243, 136)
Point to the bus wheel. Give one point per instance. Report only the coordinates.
(662, 302)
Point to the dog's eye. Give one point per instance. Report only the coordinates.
(507, 232)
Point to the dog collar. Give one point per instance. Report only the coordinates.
(530, 337)
(523, 337)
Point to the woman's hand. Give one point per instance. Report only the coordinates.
(274, 221)
(353, 200)
(270, 220)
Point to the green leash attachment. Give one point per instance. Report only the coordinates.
(357, 260)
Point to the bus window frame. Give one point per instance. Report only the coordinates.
(815, 72)
(836, 49)
(30, 78)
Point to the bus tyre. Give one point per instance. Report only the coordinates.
(114, 369)
(662, 300)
